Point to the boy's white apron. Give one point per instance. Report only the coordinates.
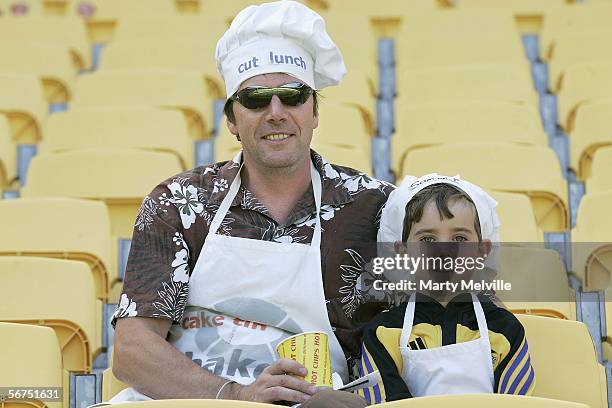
(247, 295)
(460, 368)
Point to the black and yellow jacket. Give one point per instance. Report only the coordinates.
(434, 326)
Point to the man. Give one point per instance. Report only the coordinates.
(228, 260)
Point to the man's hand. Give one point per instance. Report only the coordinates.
(275, 383)
(336, 399)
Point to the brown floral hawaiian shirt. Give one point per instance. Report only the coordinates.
(174, 220)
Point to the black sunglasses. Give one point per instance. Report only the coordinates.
(256, 97)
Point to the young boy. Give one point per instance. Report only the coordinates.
(444, 341)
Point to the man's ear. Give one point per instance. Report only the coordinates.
(232, 127)
(315, 121)
(484, 247)
(400, 248)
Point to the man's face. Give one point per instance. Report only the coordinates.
(276, 136)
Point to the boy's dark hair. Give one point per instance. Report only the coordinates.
(229, 112)
(441, 194)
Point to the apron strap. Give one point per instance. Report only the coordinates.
(235, 186)
(482, 321)
(408, 320)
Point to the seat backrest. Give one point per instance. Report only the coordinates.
(530, 170)
(69, 32)
(50, 62)
(22, 101)
(518, 222)
(592, 129)
(539, 282)
(564, 360)
(175, 89)
(591, 249)
(465, 121)
(485, 400)
(60, 228)
(601, 169)
(342, 125)
(490, 82)
(110, 384)
(31, 357)
(63, 298)
(138, 127)
(105, 10)
(583, 83)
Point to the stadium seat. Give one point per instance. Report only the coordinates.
(143, 128)
(491, 82)
(583, 83)
(22, 101)
(599, 179)
(480, 400)
(425, 40)
(50, 62)
(539, 282)
(498, 166)
(391, 8)
(451, 122)
(122, 185)
(110, 384)
(564, 361)
(563, 21)
(196, 403)
(21, 8)
(575, 48)
(180, 90)
(592, 131)
(226, 144)
(63, 298)
(518, 222)
(30, 228)
(68, 32)
(592, 242)
(8, 161)
(31, 357)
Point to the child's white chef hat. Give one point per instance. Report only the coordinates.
(392, 217)
(284, 36)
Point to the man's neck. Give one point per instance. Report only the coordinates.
(278, 189)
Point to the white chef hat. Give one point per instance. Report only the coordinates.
(284, 36)
(392, 217)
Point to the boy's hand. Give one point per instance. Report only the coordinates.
(336, 399)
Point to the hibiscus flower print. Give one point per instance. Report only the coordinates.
(185, 198)
(220, 185)
(181, 260)
(126, 308)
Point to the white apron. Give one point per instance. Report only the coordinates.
(460, 368)
(247, 295)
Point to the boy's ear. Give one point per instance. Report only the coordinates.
(400, 248)
(485, 247)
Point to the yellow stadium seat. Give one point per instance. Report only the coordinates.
(392, 8)
(226, 144)
(122, 185)
(583, 83)
(530, 170)
(229, 10)
(564, 360)
(455, 38)
(575, 48)
(51, 63)
(162, 54)
(592, 131)
(491, 82)
(63, 298)
(31, 357)
(539, 282)
(567, 20)
(431, 124)
(181, 90)
(529, 14)
(592, 237)
(30, 228)
(518, 222)
(69, 32)
(355, 90)
(136, 127)
(22, 101)
(601, 169)
(110, 384)
(8, 160)
(481, 400)
(193, 403)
